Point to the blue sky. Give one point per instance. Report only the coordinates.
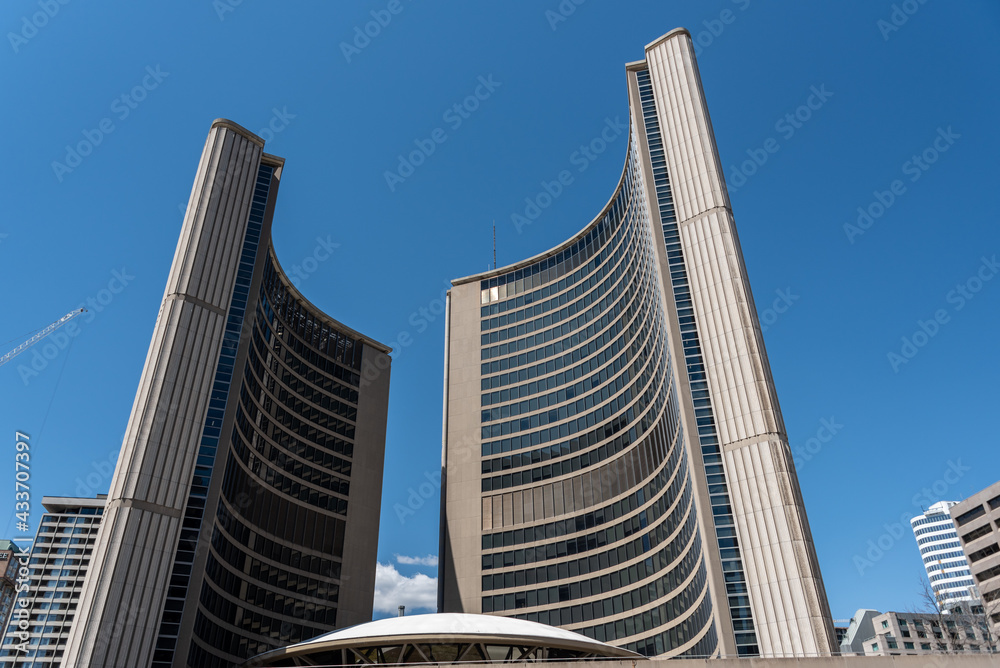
(903, 126)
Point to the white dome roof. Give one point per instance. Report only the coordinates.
(453, 624)
(442, 630)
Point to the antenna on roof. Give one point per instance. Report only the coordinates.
(494, 243)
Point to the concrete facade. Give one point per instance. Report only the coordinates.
(926, 634)
(253, 454)
(859, 629)
(977, 520)
(614, 458)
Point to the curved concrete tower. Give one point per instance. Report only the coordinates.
(253, 454)
(615, 461)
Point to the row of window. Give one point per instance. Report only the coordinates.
(307, 325)
(627, 291)
(566, 429)
(627, 324)
(949, 527)
(595, 561)
(291, 486)
(251, 545)
(671, 610)
(977, 533)
(294, 523)
(627, 298)
(567, 304)
(290, 382)
(561, 395)
(688, 544)
(583, 461)
(600, 516)
(617, 392)
(931, 552)
(276, 576)
(291, 441)
(643, 334)
(588, 488)
(255, 595)
(551, 268)
(594, 271)
(281, 422)
(296, 409)
(970, 515)
(329, 464)
(295, 371)
(226, 641)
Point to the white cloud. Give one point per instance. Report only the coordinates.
(392, 589)
(429, 560)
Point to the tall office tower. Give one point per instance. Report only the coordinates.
(253, 454)
(946, 565)
(978, 522)
(614, 454)
(58, 564)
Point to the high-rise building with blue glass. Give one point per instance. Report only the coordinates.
(614, 459)
(252, 457)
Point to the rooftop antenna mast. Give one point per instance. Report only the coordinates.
(494, 243)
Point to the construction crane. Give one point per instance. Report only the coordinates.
(41, 335)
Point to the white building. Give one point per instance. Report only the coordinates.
(946, 564)
(60, 557)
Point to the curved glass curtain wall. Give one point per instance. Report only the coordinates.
(274, 565)
(587, 503)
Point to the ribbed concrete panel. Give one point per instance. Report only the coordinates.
(787, 596)
(695, 175)
(145, 505)
(740, 389)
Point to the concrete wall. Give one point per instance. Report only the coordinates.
(787, 595)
